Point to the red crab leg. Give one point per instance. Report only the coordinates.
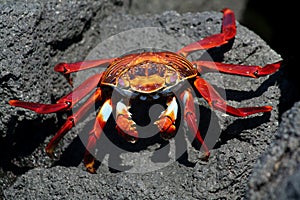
(228, 32)
(166, 121)
(217, 102)
(95, 134)
(191, 119)
(66, 102)
(125, 125)
(67, 68)
(251, 71)
(71, 121)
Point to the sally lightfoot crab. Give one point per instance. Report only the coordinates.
(152, 75)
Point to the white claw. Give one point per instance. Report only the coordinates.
(121, 108)
(172, 107)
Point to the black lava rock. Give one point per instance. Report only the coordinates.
(241, 141)
(276, 175)
(34, 36)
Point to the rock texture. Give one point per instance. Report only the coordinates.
(56, 32)
(156, 6)
(277, 173)
(35, 35)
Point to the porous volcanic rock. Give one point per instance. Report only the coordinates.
(276, 175)
(34, 36)
(241, 141)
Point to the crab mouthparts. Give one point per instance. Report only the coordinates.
(147, 84)
(148, 77)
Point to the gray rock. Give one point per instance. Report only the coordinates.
(34, 36)
(242, 141)
(157, 6)
(276, 175)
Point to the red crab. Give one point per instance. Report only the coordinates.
(151, 74)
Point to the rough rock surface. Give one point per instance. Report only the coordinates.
(35, 35)
(158, 7)
(277, 173)
(226, 173)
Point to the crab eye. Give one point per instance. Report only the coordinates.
(123, 82)
(171, 78)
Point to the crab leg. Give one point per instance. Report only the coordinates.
(228, 32)
(67, 68)
(217, 102)
(71, 121)
(66, 102)
(125, 125)
(95, 134)
(191, 119)
(166, 121)
(251, 71)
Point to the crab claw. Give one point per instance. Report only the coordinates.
(166, 121)
(166, 127)
(125, 125)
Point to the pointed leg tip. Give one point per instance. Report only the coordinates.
(12, 102)
(91, 170)
(89, 162)
(226, 10)
(206, 156)
(60, 67)
(268, 108)
(278, 64)
(90, 166)
(17, 103)
(269, 69)
(51, 154)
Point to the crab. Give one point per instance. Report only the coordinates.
(152, 75)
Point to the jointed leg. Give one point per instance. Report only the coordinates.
(71, 121)
(217, 102)
(228, 32)
(243, 70)
(67, 68)
(191, 119)
(66, 102)
(95, 134)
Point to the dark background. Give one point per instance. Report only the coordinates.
(276, 22)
